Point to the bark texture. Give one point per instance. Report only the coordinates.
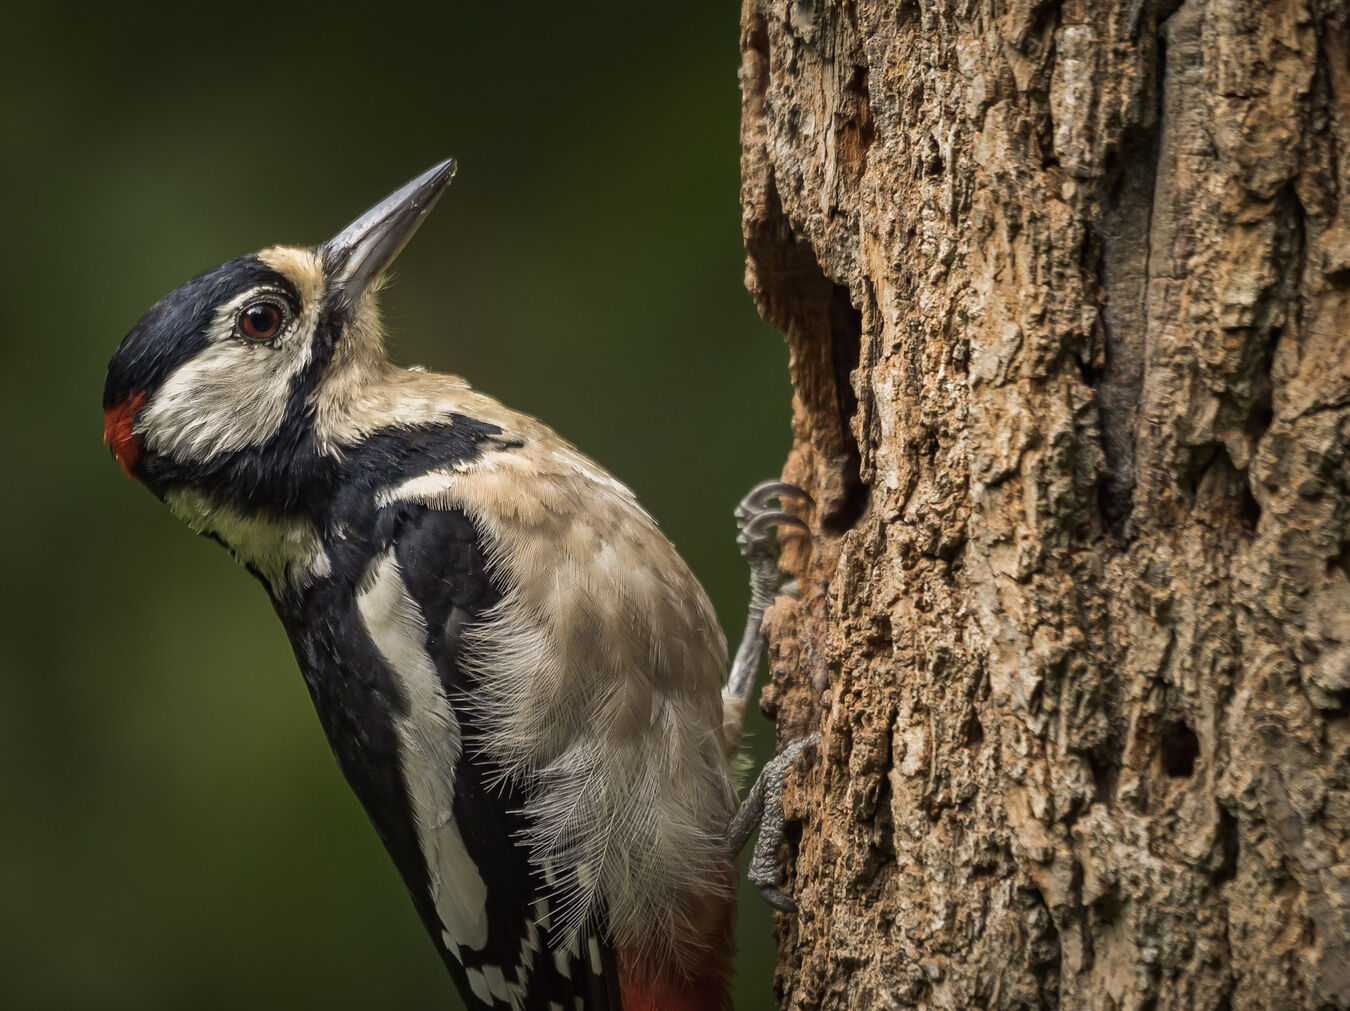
(1067, 292)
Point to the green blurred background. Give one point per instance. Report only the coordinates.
(175, 832)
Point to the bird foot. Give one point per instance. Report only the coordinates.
(763, 808)
(755, 521)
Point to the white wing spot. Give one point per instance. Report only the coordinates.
(497, 982)
(562, 963)
(478, 984)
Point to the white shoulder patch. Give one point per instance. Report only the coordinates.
(419, 489)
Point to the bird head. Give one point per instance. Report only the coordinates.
(218, 382)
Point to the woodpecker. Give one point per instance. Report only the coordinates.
(520, 678)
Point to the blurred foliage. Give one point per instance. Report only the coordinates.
(175, 833)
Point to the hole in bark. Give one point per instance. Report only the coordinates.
(972, 731)
(1249, 510)
(1262, 413)
(1042, 137)
(1104, 773)
(1227, 842)
(1108, 907)
(824, 330)
(1115, 498)
(1216, 489)
(1341, 561)
(1086, 370)
(855, 130)
(933, 163)
(1192, 464)
(1179, 748)
(845, 345)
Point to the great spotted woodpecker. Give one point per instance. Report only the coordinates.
(520, 678)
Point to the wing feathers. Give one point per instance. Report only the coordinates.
(529, 956)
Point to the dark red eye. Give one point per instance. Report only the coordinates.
(260, 321)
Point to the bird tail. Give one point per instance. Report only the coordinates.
(704, 986)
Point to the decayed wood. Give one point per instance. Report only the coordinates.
(1067, 293)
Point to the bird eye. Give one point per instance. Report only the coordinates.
(260, 321)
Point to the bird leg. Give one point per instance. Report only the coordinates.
(763, 805)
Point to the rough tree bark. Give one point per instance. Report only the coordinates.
(1067, 292)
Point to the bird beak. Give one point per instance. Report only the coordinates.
(362, 251)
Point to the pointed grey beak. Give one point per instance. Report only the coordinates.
(362, 251)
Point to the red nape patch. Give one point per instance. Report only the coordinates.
(117, 433)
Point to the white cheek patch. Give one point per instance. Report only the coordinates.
(230, 395)
(429, 749)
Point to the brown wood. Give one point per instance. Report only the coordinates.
(1067, 293)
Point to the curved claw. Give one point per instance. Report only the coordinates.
(761, 493)
(757, 524)
(780, 901)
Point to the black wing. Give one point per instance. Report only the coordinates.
(525, 963)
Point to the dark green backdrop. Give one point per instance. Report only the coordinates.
(175, 833)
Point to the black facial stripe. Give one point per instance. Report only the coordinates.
(175, 328)
(288, 474)
(326, 332)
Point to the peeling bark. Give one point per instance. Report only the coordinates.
(1067, 293)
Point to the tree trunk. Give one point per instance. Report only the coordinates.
(1067, 292)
